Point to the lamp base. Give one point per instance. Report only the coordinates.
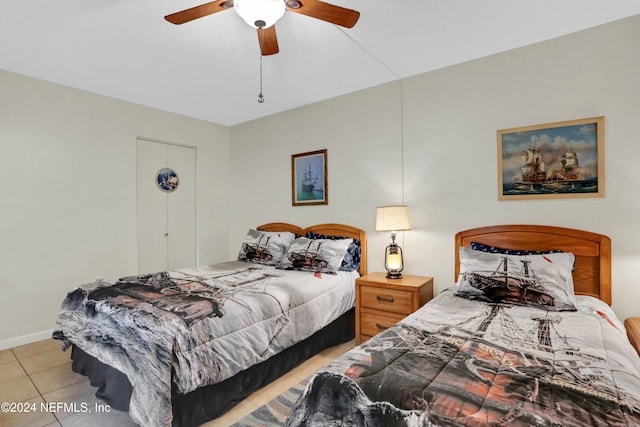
(394, 275)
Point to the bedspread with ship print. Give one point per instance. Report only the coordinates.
(460, 362)
(189, 328)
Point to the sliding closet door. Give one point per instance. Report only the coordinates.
(165, 206)
(181, 212)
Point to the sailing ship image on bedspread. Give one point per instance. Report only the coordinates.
(258, 250)
(480, 370)
(310, 257)
(181, 296)
(506, 284)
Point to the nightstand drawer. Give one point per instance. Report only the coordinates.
(386, 299)
(372, 324)
(382, 302)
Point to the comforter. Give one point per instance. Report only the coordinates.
(194, 327)
(459, 362)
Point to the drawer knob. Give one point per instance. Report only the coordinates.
(380, 327)
(384, 299)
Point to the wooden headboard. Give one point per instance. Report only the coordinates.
(282, 226)
(329, 230)
(592, 267)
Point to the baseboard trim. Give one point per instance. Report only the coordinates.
(25, 339)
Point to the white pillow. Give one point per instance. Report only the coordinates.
(497, 250)
(323, 255)
(532, 280)
(265, 247)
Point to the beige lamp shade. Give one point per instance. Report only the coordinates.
(392, 218)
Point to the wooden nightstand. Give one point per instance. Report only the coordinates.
(382, 302)
(632, 324)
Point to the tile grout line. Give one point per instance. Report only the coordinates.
(255, 400)
(28, 375)
(33, 383)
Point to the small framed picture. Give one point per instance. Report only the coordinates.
(553, 160)
(309, 178)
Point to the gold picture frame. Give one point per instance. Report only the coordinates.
(309, 183)
(552, 160)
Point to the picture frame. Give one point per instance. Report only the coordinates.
(553, 160)
(309, 184)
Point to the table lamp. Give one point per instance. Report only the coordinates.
(393, 219)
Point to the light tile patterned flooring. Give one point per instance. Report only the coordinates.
(40, 374)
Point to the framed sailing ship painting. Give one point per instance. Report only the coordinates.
(309, 178)
(553, 160)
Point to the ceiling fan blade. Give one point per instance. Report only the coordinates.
(324, 11)
(198, 12)
(269, 40)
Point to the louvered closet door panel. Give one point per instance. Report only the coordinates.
(181, 221)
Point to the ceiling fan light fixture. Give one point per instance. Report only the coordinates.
(259, 13)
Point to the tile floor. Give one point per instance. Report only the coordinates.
(38, 377)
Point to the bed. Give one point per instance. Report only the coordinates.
(182, 347)
(524, 337)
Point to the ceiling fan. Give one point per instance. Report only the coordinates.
(258, 14)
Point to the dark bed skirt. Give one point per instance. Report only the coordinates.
(207, 403)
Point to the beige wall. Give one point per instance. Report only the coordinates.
(68, 210)
(447, 149)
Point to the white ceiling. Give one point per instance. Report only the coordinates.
(209, 68)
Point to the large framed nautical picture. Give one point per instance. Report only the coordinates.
(553, 160)
(309, 178)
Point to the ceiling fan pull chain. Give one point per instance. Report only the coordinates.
(260, 96)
